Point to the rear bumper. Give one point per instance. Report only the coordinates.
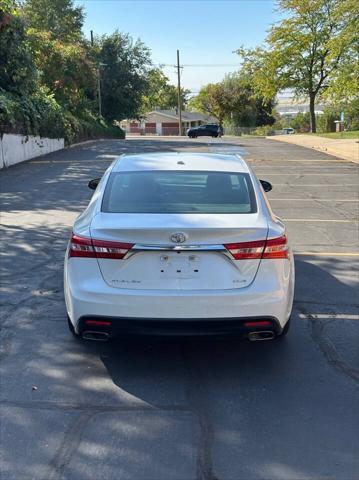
(269, 296)
(179, 326)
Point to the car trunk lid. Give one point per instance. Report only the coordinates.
(198, 262)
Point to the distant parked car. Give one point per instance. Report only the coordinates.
(208, 130)
(288, 131)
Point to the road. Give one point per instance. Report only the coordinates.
(152, 409)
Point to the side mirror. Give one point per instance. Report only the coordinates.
(93, 183)
(267, 187)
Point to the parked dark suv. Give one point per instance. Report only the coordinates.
(208, 130)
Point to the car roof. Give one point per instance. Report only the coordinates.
(181, 161)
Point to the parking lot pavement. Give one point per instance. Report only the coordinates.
(152, 409)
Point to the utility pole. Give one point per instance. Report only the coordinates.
(99, 92)
(179, 95)
(98, 84)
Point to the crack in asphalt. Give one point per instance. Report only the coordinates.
(198, 400)
(340, 210)
(6, 344)
(330, 353)
(31, 297)
(11, 311)
(94, 408)
(309, 302)
(73, 436)
(29, 302)
(68, 447)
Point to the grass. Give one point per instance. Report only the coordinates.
(354, 134)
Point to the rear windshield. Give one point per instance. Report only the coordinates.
(179, 192)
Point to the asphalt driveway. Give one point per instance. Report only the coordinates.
(152, 409)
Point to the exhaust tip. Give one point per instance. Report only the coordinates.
(261, 335)
(95, 336)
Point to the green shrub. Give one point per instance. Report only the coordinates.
(40, 114)
(264, 130)
(351, 112)
(301, 122)
(36, 114)
(7, 112)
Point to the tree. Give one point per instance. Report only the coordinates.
(307, 50)
(351, 112)
(62, 56)
(124, 66)
(47, 73)
(344, 84)
(212, 100)
(235, 101)
(246, 107)
(61, 18)
(17, 70)
(66, 69)
(160, 93)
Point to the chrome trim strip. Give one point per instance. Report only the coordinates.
(139, 246)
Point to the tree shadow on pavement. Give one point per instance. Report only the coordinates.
(58, 181)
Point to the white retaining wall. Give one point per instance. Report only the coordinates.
(18, 148)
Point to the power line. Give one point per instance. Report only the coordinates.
(149, 1)
(200, 65)
(212, 65)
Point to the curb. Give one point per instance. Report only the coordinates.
(85, 142)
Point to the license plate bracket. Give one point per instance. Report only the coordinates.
(179, 265)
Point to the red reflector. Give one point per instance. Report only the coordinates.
(261, 323)
(91, 248)
(103, 323)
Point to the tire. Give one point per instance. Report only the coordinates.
(71, 328)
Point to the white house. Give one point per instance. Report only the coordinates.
(165, 122)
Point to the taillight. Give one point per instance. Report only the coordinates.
(246, 250)
(110, 249)
(81, 247)
(272, 248)
(276, 248)
(89, 248)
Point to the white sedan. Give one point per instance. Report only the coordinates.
(179, 243)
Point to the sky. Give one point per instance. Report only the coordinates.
(206, 32)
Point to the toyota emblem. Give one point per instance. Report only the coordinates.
(178, 237)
